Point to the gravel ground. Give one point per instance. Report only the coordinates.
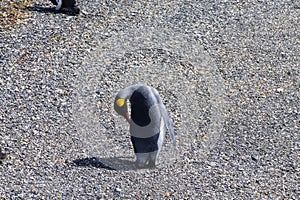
(227, 71)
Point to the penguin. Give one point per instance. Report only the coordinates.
(142, 107)
(67, 6)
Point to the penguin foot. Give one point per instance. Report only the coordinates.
(151, 165)
(145, 165)
(140, 165)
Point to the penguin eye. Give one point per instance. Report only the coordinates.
(120, 102)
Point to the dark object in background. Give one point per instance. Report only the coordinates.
(2, 155)
(66, 6)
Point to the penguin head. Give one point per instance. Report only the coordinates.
(122, 104)
(121, 107)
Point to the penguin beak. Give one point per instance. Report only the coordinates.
(127, 117)
(121, 103)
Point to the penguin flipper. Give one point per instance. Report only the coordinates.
(165, 115)
(168, 123)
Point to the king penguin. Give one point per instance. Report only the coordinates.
(148, 118)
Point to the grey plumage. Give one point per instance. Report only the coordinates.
(148, 119)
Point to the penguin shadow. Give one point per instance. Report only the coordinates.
(113, 163)
(52, 10)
